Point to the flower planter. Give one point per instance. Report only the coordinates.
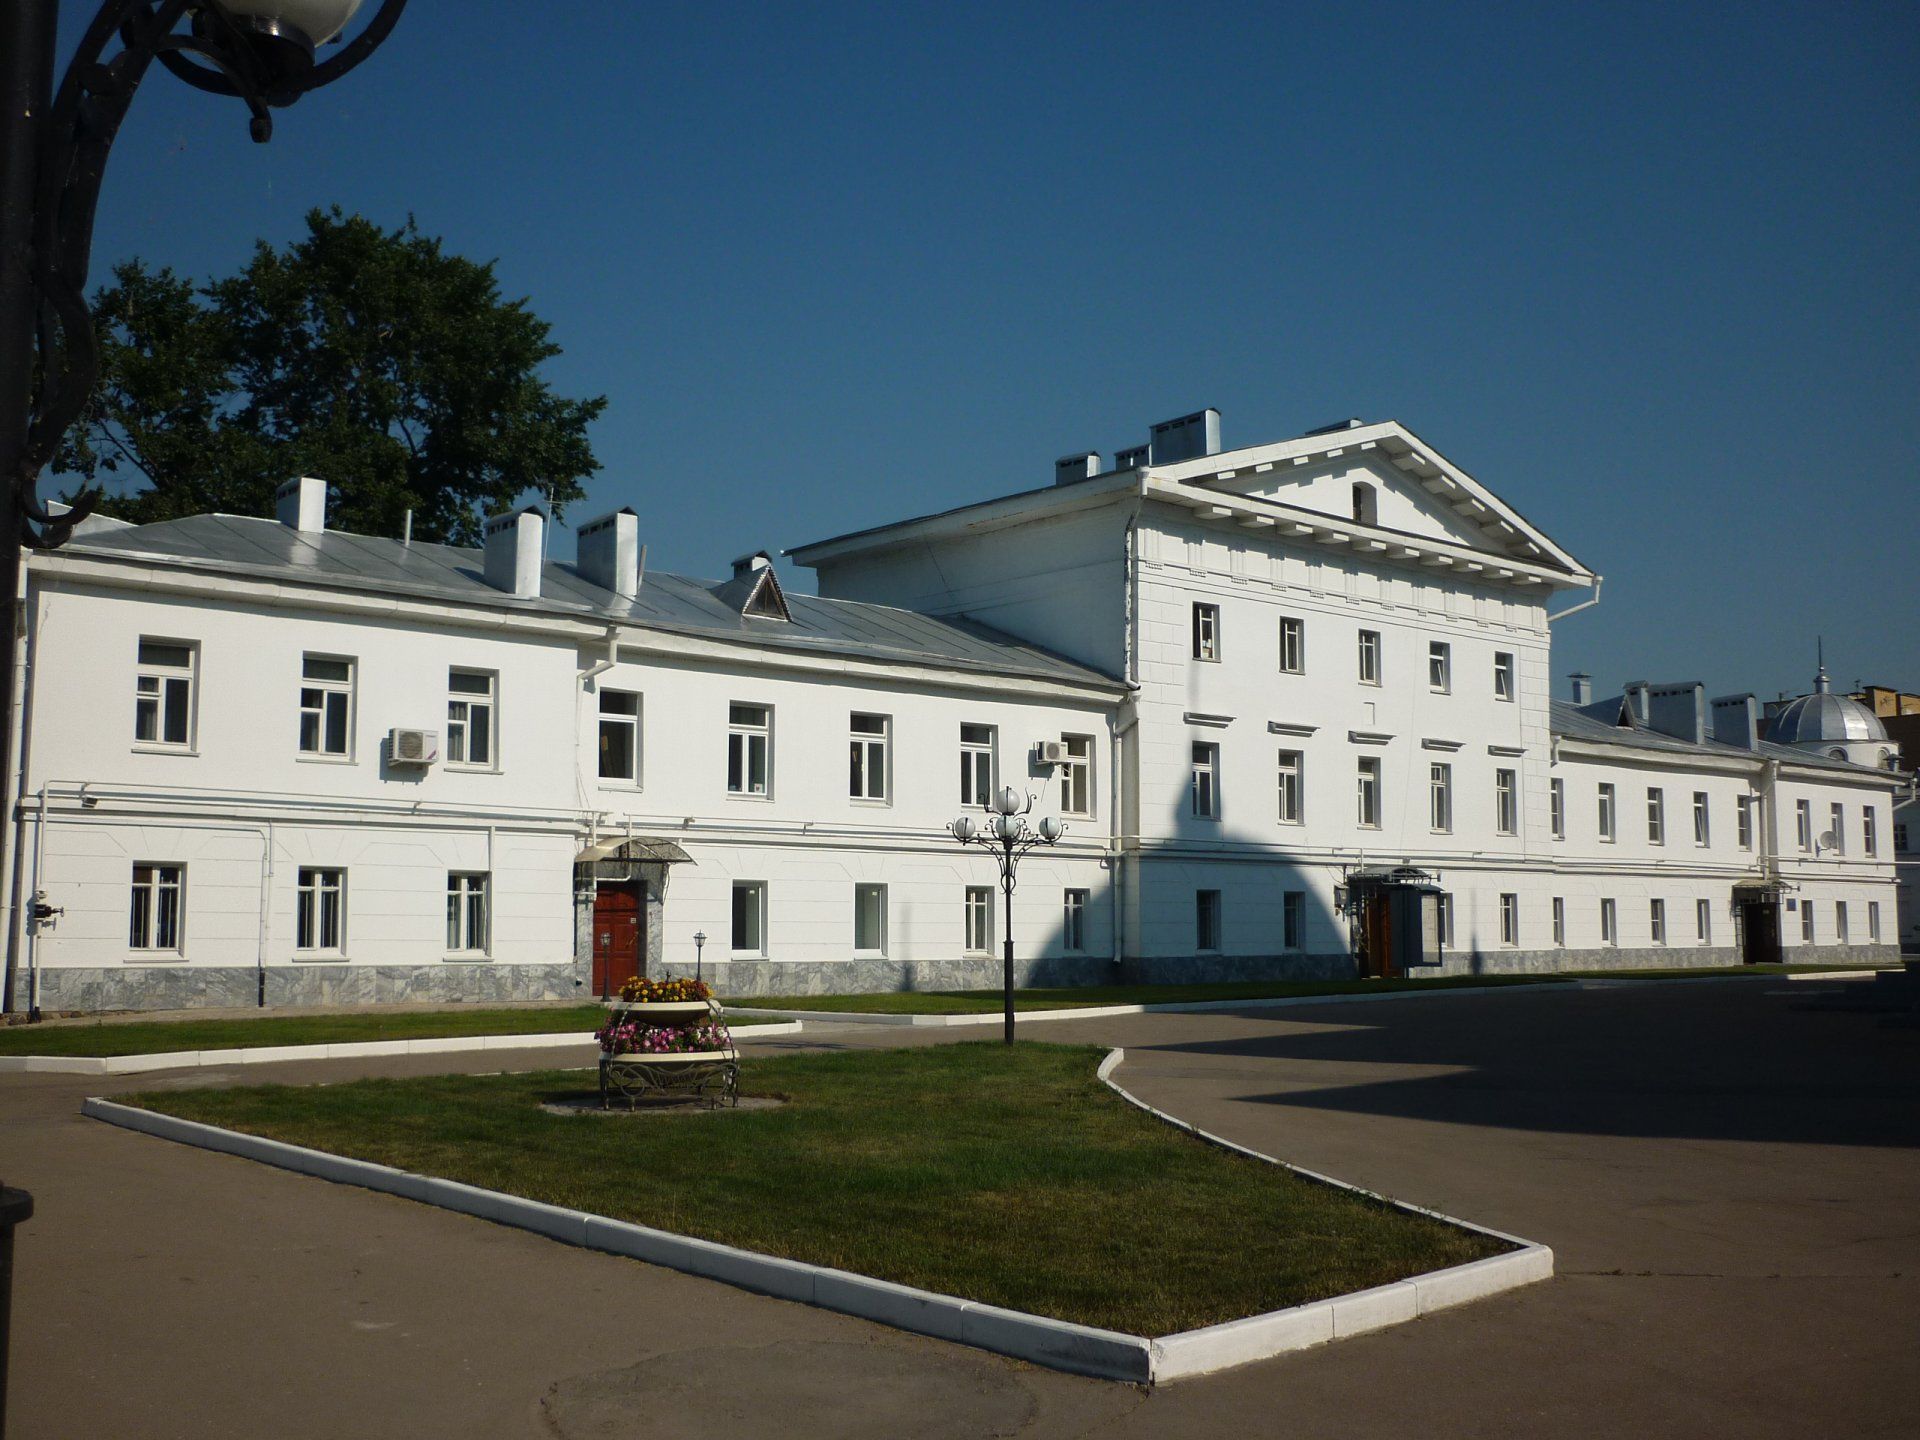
(661, 1011)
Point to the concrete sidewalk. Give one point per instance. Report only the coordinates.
(1731, 1185)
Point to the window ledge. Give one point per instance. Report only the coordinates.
(459, 769)
(320, 957)
(151, 749)
(466, 957)
(153, 957)
(305, 759)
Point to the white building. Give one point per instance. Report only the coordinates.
(264, 759)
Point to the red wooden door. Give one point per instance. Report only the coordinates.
(617, 932)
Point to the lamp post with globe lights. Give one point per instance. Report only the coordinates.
(53, 154)
(1007, 835)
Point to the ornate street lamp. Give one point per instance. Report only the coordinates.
(1008, 836)
(53, 153)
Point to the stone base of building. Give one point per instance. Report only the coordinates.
(1655, 957)
(191, 987)
(746, 979)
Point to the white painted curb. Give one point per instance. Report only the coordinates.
(1057, 1344)
(345, 1050)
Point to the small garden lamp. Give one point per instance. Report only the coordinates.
(1007, 834)
(699, 945)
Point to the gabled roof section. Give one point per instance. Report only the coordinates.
(756, 595)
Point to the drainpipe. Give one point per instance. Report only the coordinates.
(266, 916)
(39, 887)
(20, 696)
(600, 667)
(1583, 605)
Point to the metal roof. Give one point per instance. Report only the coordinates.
(1594, 723)
(677, 604)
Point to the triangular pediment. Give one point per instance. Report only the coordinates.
(756, 594)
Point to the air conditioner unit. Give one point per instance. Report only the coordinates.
(413, 747)
(1050, 752)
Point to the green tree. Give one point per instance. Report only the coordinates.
(371, 358)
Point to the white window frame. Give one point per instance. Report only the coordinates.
(151, 900)
(1204, 782)
(1807, 929)
(1560, 922)
(1509, 918)
(755, 914)
(1803, 824)
(1869, 832)
(978, 757)
(1293, 920)
(1369, 657)
(1369, 801)
(1503, 679)
(869, 758)
(1609, 923)
(1445, 916)
(1506, 802)
(462, 708)
(464, 888)
(1837, 818)
(1743, 822)
(321, 698)
(1207, 916)
(1074, 905)
(1293, 645)
(1290, 772)
(976, 908)
(1703, 921)
(1557, 806)
(1873, 921)
(746, 737)
(1206, 632)
(320, 910)
(1657, 921)
(622, 727)
(1656, 815)
(1076, 777)
(154, 682)
(1702, 819)
(869, 909)
(1842, 931)
(1440, 667)
(1607, 817)
(1440, 797)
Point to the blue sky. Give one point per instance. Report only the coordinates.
(1650, 271)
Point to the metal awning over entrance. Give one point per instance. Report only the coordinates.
(654, 852)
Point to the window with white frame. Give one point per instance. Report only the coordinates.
(1506, 802)
(1509, 919)
(620, 736)
(1289, 772)
(157, 910)
(326, 706)
(468, 911)
(749, 749)
(1206, 919)
(1559, 921)
(1743, 822)
(1657, 921)
(1803, 823)
(1368, 792)
(1837, 822)
(1293, 645)
(1439, 667)
(869, 920)
(470, 729)
(1366, 503)
(163, 693)
(320, 910)
(1205, 788)
(1840, 930)
(1446, 921)
(1206, 632)
(1869, 831)
(1606, 795)
(867, 737)
(976, 763)
(1557, 807)
(1502, 675)
(749, 928)
(1656, 816)
(979, 907)
(1369, 657)
(1703, 921)
(1293, 920)
(1609, 931)
(1076, 776)
(1806, 921)
(1439, 798)
(1073, 922)
(1873, 920)
(1702, 831)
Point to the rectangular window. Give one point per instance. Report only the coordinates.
(1656, 816)
(163, 693)
(470, 728)
(1293, 645)
(1076, 776)
(979, 919)
(1206, 632)
(1440, 798)
(1702, 832)
(1293, 920)
(1557, 807)
(467, 912)
(1446, 921)
(1506, 802)
(1840, 920)
(1743, 822)
(976, 763)
(1439, 667)
(620, 736)
(1606, 813)
(749, 917)
(158, 912)
(1206, 919)
(1900, 836)
(1657, 920)
(1559, 921)
(1291, 762)
(320, 910)
(1873, 920)
(1869, 831)
(1073, 922)
(1369, 793)
(1806, 921)
(867, 737)
(1509, 919)
(1703, 921)
(1803, 823)
(749, 749)
(1369, 657)
(1608, 934)
(326, 706)
(869, 919)
(1837, 824)
(1502, 675)
(1206, 782)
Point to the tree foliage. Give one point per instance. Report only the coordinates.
(369, 357)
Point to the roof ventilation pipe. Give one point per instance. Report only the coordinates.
(1736, 721)
(1582, 688)
(609, 553)
(1069, 468)
(1187, 437)
(302, 504)
(512, 552)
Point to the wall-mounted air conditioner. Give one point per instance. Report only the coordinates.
(413, 747)
(1050, 752)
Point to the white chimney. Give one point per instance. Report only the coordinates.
(1582, 688)
(609, 553)
(513, 552)
(1069, 468)
(302, 503)
(752, 564)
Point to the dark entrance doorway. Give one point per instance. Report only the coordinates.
(619, 936)
(1760, 931)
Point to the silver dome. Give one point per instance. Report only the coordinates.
(1823, 717)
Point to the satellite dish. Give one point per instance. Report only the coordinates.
(1829, 841)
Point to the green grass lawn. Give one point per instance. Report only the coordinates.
(147, 1037)
(1005, 1175)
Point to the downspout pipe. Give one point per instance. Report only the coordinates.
(1586, 604)
(600, 667)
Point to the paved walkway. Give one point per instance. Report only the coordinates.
(1732, 1187)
